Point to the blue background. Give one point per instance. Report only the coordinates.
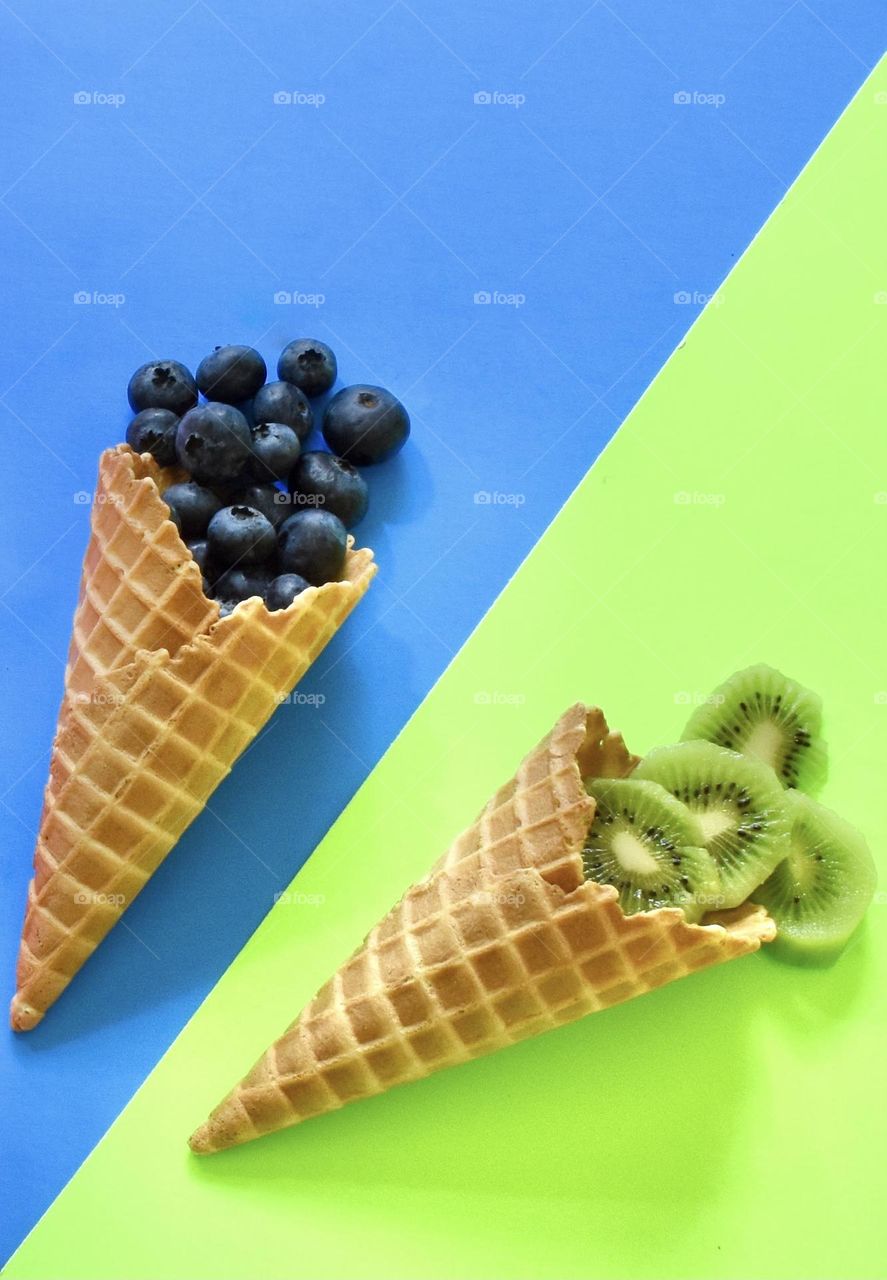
(594, 207)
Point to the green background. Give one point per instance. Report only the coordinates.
(730, 1125)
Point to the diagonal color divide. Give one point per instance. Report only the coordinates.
(730, 1125)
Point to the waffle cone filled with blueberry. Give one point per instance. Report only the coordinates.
(219, 564)
(511, 934)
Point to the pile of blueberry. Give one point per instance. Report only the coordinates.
(260, 517)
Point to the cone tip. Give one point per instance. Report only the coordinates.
(201, 1142)
(23, 1016)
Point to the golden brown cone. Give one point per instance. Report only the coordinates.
(502, 940)
(161, 697)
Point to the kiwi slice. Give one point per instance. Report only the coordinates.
(650, 847)
(820, 892)
(762, 713)
(739, 804)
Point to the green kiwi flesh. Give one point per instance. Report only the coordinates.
(650, 847)
(820, 892)
(739, 804)
(759, 712)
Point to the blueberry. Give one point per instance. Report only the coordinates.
(333, 484)
(240, 584)
(246, 408)
(154, 431)
(231, 374)
(229, 491)
(309, 365)
(282, 591)
(282, 402)
(274, 452)
(313, 544)
(240, 535)
(365, 424)
(200, 555)
(192, 507)
(213, 443)
(269, 500)
(162, 384)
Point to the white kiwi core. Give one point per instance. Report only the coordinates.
(634, 856)
(715, 822)
(765, 742)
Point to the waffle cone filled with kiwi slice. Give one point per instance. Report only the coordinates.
(161, 697)
(504, 939)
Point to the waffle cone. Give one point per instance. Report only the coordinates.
(161, 697)
(502, 940)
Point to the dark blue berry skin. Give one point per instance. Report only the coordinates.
(282, 591)
(240, 536)
(154, 431)
(365, 424)
(246, 408)
(162, 384)
(309, 365)
(313, 544)
(275, 451)
(213, 443)
(192, 507)
(200, 555)
(283, 402)
(229, 491)
(239, 584)
(331, 484)
(231, 374)
(267, 499)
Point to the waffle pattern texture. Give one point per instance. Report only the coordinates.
(502, 940)
(161, 697)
